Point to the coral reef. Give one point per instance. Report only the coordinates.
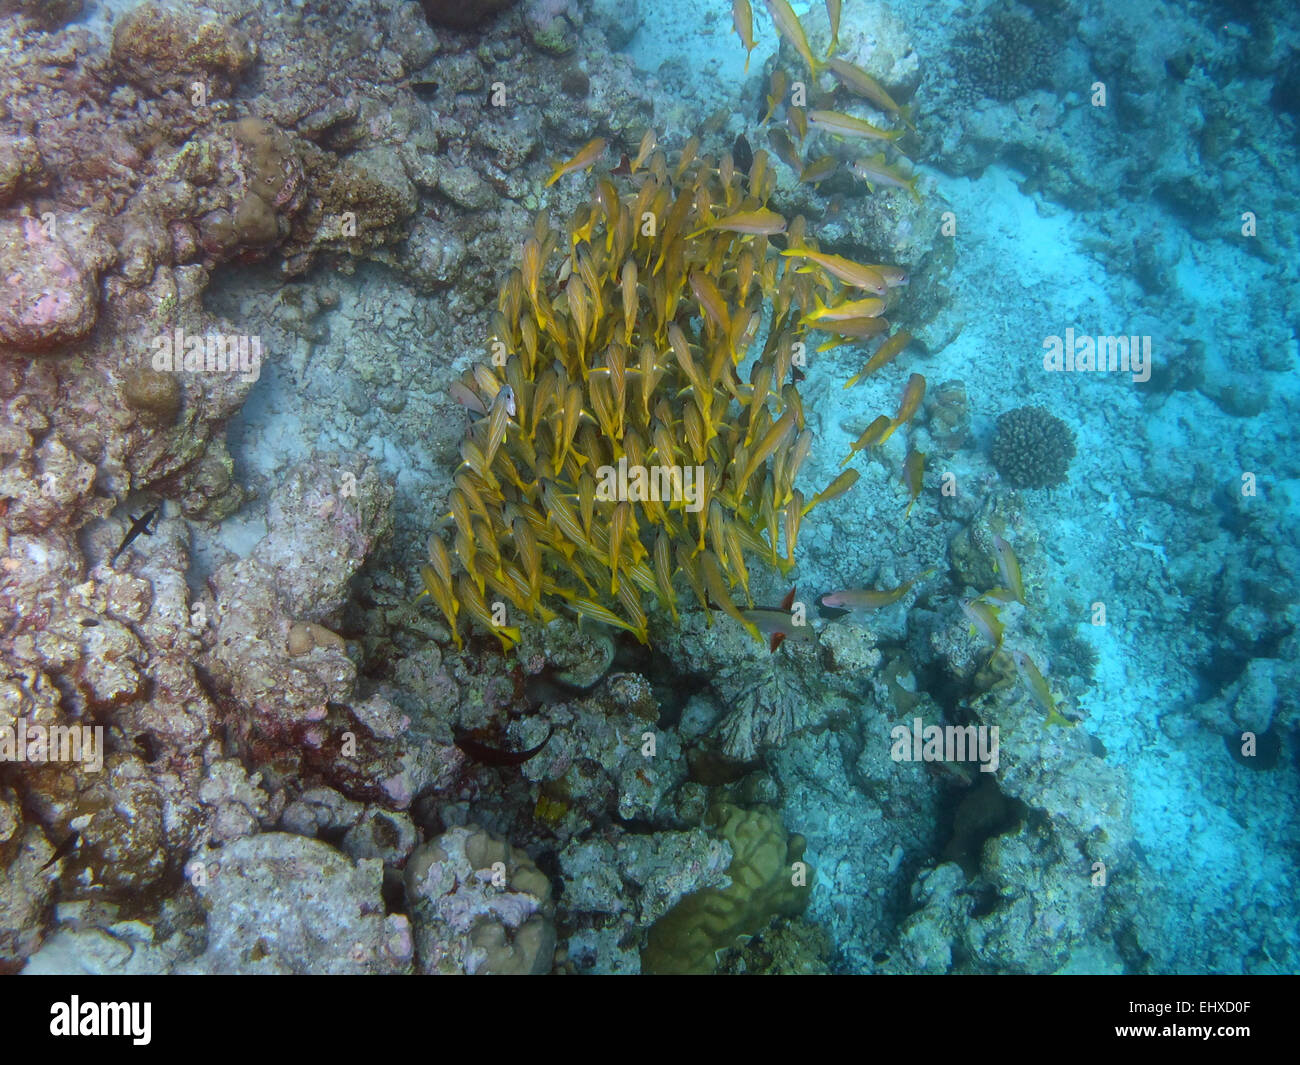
(768, 879)
(479, 907)
(161, 49)
(1032, 448)
(280, 904)
(604, 921)
(1005, 54)
(257, 262)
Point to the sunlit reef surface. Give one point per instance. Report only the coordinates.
(333, 338)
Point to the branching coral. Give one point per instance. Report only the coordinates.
(1032, 448)
(1004, 55)
(619, 445)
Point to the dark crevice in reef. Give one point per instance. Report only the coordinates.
(1221, 670)
(672, 687)
(945, 690)
(973, 817)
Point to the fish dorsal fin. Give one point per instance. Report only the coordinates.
(788, 602)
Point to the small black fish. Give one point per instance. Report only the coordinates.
(148, 747)
(486, 755)
(138, 526)
(637, 826)
(62, 850)
(742, 154)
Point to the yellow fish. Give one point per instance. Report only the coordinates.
(984, 620)
(871, 436)
(856, 328)
(588, 609)
(743, 16)
(870, 307)
(858, 275)
(1009, 568)
(876, 171)
(760, 222)
(834, 490)
(648, 142)
(442, 594)
(780, 83)
(785, 150)
(1038, 688)
(833, 13)
(841, 125)
(788, 26)
(858, 81)
(717, 590)
(913, 392)
(885, 354)
(819, 170)
(587, 156)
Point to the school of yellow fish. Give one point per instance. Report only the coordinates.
(660, 327)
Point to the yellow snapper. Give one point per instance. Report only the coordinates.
(586, 156)
(876, 171)
(1009, 568)
(743, 16)
(1033, 679)
(788, 26)
(841, 125)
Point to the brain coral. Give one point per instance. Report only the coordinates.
(687, 938)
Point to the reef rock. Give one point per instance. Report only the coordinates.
(286, 904)
(479, 906)
(47, 297)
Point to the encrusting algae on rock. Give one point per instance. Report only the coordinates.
(631, 429)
